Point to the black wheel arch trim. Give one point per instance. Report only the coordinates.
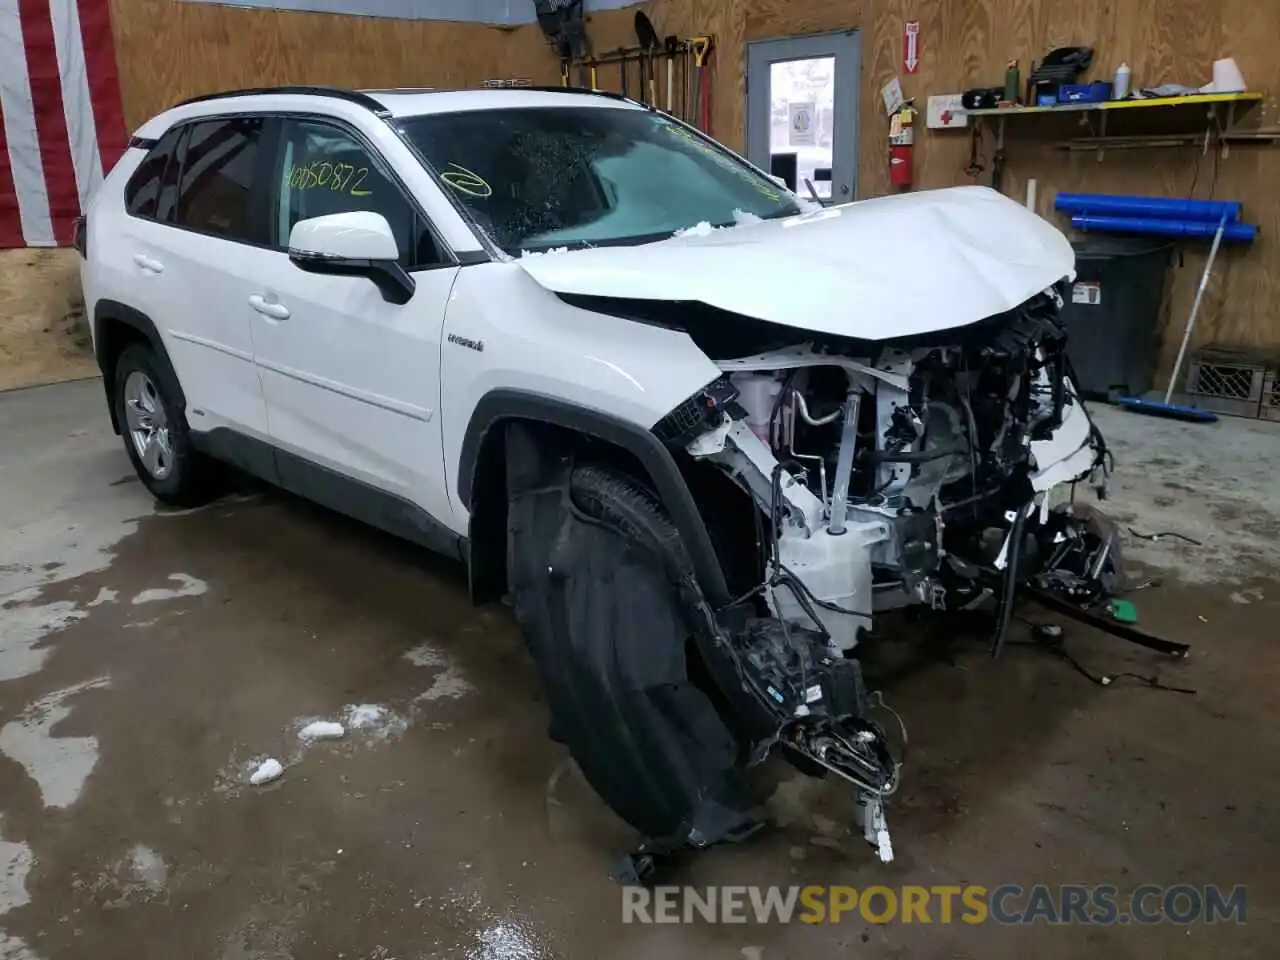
(107, 312)
(669, 484)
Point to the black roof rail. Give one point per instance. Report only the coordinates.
(336, 93)
(585, 91)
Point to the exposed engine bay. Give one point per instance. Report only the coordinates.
(875, 476)
(919, 474)
(879, 476)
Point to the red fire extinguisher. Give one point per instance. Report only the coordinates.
(901, 142)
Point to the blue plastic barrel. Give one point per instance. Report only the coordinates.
(1160, 208)
(1151, 227)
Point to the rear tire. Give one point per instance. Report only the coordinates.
(156, 437)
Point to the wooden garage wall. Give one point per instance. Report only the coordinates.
(168, 49)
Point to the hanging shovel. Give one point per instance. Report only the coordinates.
(647, 37)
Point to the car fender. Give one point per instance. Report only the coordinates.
(505, 405)
(106, 348)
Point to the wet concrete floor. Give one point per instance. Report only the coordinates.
(149, 660)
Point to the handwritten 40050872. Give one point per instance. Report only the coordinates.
(324, 174)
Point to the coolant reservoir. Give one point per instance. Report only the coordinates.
(757, 393)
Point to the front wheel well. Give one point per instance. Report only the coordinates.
(562, 428)
(488, 507)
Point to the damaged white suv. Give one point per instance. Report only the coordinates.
(700, 431)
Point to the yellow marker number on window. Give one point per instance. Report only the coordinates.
(338, 177)
(465, 181)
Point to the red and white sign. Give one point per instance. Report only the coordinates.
(63, 123)
(911, 46)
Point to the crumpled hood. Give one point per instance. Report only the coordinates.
(875, 269)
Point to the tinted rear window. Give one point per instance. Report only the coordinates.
(143, 189)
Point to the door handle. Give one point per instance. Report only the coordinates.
(269, 308)
(147, 264)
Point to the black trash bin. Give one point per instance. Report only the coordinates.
(1112, 313)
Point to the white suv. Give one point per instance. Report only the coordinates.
(698, 429)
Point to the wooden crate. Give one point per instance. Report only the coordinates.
(1227, 380)
(1270, 408)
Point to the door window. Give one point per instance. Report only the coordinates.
(323, 170)
(143, 188)
(215, 192)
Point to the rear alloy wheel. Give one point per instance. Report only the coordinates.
(155, 432)
(147, 421)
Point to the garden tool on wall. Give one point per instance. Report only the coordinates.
(672, 45)
(563, 26)
(647, 37)
(701, 47)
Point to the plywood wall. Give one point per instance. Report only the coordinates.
(169, 49)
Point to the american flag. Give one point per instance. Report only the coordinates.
(63, 123)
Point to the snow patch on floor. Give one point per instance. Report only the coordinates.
(373, 721)
(147, 868)
(139, 876)
(321, 730)
(15, 864)
(12, 948)
(59, 765)
(449, 683)
(427, 655)
(494, 936)
(268, 770)
(105, 595)
(510, 938)
(23, 626)
(188, 586)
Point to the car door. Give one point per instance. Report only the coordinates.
(351, 381)
(196, 225)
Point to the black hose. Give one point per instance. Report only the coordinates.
(1004, 615)
(778, 401)
(912, 456)
(825, 604)
(799, 591)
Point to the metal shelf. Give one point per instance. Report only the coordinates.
(1224, 129)
(1106, 105)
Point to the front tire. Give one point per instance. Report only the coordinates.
(595, 567)
(156, 437)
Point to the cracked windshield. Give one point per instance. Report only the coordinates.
(538, 180)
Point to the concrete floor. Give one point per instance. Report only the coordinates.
(149, 659)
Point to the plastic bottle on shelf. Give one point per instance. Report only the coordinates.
(1124, 76)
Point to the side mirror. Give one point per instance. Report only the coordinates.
(780, 181)
(356, 244)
